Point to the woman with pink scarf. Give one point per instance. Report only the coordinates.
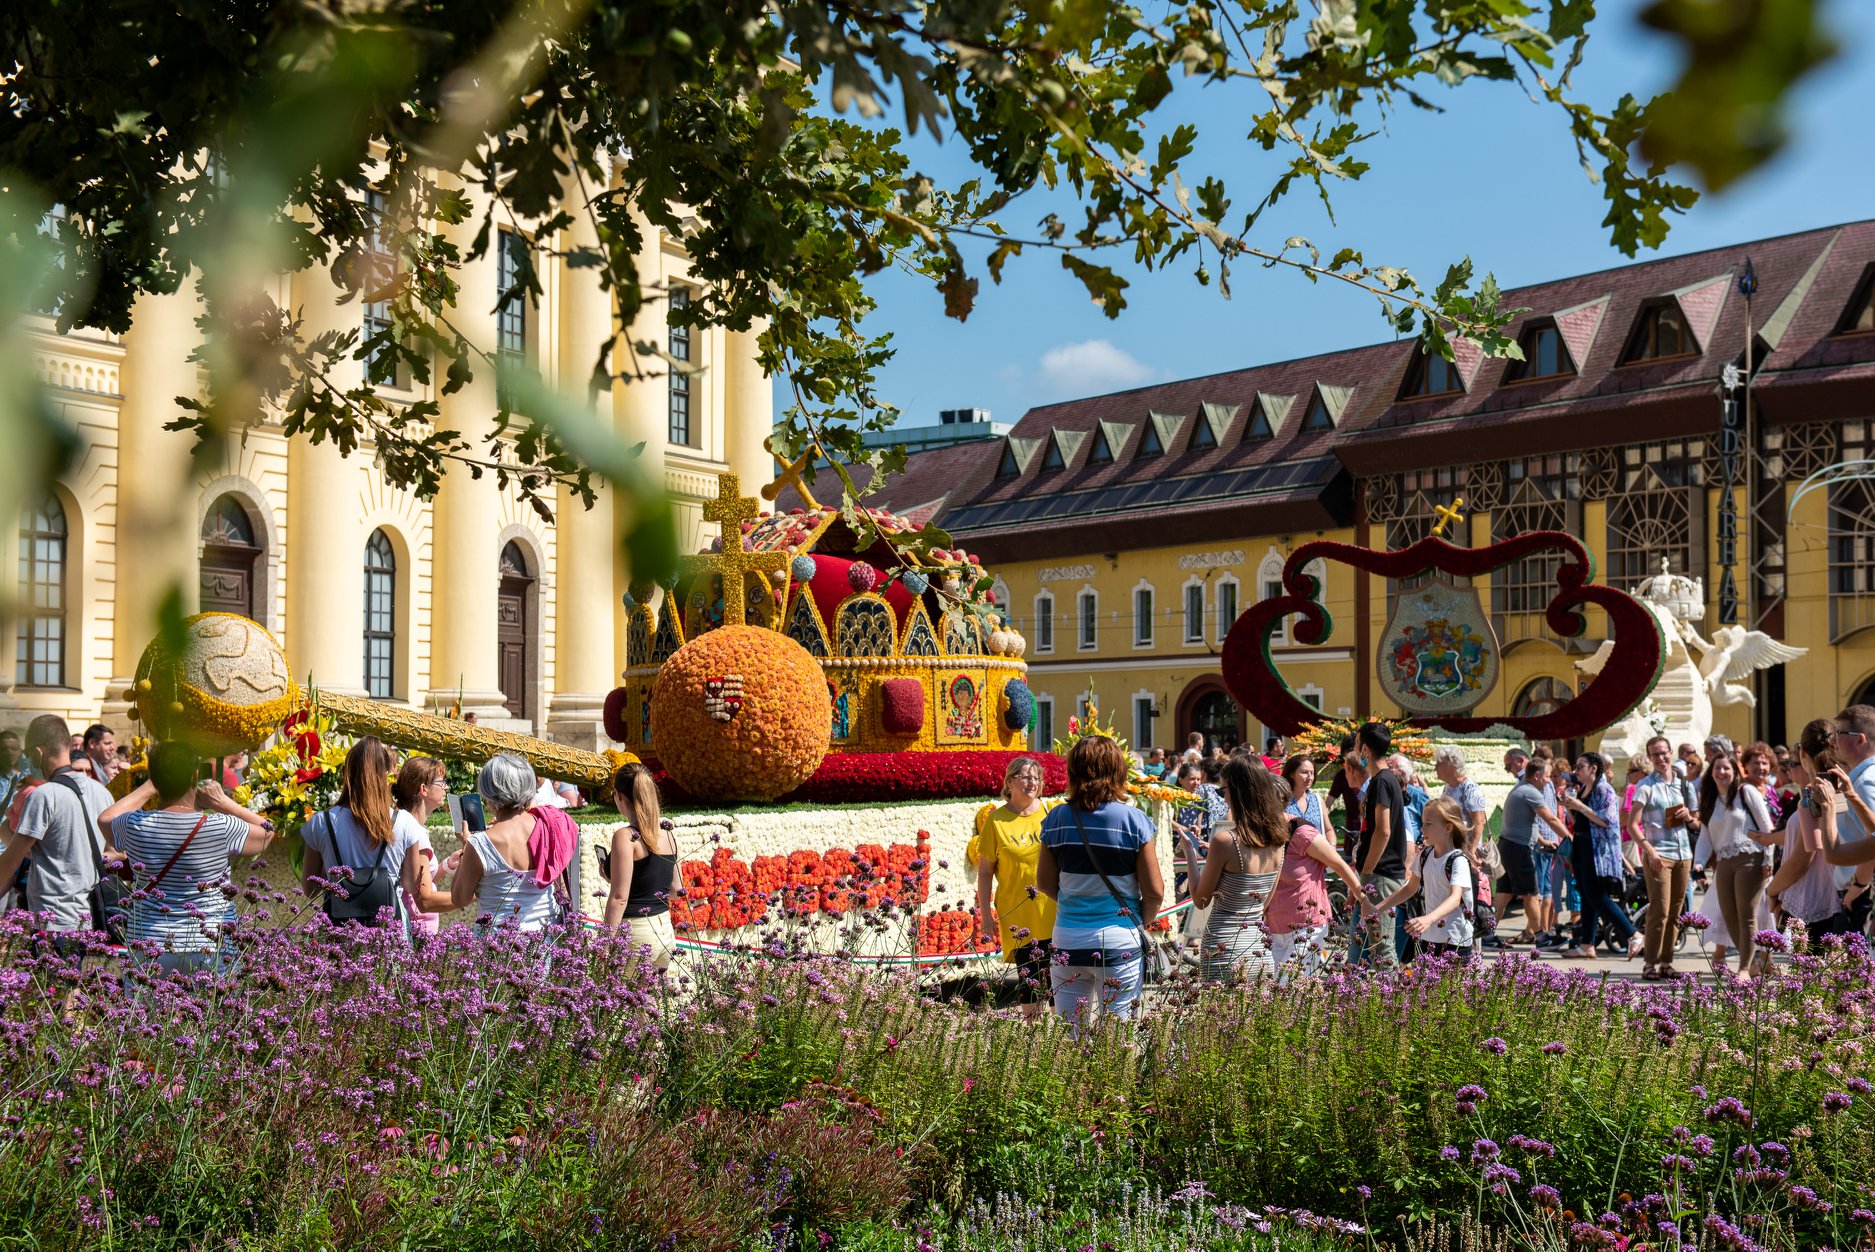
(511, 869)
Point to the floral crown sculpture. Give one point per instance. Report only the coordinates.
(912, 652)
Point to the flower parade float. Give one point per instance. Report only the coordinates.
(827, 712)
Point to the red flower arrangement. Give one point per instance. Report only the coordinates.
(952, 932)
(856, 777)
(723, 893)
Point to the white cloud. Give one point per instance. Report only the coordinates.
(1091, 367)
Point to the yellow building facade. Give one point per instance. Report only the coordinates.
(1128, 529)
(371, 590)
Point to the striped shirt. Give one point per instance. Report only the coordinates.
(1086, 916)
(183, 913)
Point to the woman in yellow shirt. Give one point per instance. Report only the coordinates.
(1004, 849)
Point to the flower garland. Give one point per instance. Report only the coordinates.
(858, 777)
(1322, 740)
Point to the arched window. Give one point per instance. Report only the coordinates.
(1142, 616)
(380, 616)
(1044, 622)
(43, 539)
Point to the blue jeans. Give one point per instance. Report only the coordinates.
(1373, 943)
(1094, 982)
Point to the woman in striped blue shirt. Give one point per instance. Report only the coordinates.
(1098, 864)
(182, 852)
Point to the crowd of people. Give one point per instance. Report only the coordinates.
(153, 867)
(1599, 857)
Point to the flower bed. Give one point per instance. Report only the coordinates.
(344, 1091)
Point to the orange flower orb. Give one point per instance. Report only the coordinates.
(740, 713)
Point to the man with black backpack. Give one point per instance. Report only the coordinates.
(58, 829)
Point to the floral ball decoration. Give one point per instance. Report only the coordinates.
(1018, 705)
(803, 567)
(222, 688)
(914, 582)
(861, 577)
(742, 713)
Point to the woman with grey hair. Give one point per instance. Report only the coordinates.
(509, 870)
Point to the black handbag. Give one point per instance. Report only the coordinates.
(368, 892)
(1155, 961)
(109, 913)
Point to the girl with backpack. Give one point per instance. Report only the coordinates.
(1442, 877)
(379, 846)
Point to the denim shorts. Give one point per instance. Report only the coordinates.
(1542, 867)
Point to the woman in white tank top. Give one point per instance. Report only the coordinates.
(496, 867)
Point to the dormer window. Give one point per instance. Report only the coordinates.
(1428, 375)
(1009, 467)
(1201, 436)
(1317, 417)
(1659, 332)
(1102, 451)
(1859, 317)
(1545, 355)
(1149, 442)
(1052, 459)
(1259, 427)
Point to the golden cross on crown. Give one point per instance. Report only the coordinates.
(790, 476)
(1453, 515)
(735, 562)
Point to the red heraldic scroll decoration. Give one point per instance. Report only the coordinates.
(1633, 668)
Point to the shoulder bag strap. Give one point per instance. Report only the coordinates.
(1138, 923)
(96, 841)
(177, 854)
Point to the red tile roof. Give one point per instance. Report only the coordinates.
(1300, 480)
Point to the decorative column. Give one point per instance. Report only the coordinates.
(749, 409)
(158, 513)
(641, 408)
(325, 534)
(466, 516)
(587, 539)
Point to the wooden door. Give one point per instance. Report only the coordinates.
(511, 641)
(227, 581)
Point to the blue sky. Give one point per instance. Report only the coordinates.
(1495, 177)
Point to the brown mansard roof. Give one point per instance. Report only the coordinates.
(1302, 480)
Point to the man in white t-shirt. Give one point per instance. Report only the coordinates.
(58, 830)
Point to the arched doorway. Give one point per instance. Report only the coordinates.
(230, 556)
(1205, 706)
(514, 631)
(1866, 695)
(1545, 695)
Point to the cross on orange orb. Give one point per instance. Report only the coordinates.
(734, 563)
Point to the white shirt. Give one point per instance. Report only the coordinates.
(1455, 927)
(1729, 831)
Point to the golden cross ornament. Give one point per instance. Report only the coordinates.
(734, 563)
(1453, 515)
(790, 476)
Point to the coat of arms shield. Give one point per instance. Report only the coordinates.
(1438, 654)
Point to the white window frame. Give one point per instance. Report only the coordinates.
(1142, 731)
(1144, 629)
(1312, 695)
(1270, 572)
(1084, 616)
(1226, 620)
(1044, 621)
(1044, 721)
(1193, 637)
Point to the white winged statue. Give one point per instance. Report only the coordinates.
(1737, 653)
